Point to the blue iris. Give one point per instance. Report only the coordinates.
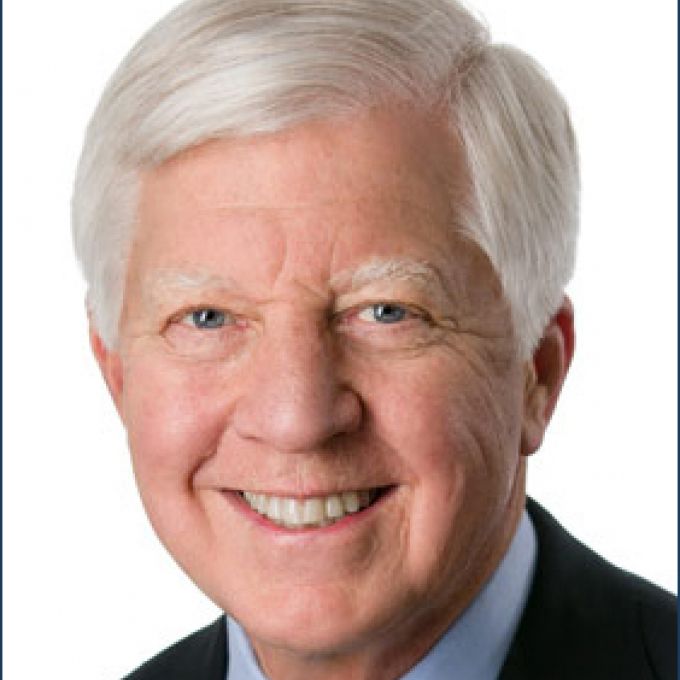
(208, 318)
(388, 313)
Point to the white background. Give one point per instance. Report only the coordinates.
(88, 591)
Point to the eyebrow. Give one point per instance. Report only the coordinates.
(380, 269)
(166, 282)
(160, 284)
(172, 278)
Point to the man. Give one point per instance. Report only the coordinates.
(326, 246)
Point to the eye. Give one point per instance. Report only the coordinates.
(205, 333)
(206, 318)
(384, 313)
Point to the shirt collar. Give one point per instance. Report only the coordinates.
(475, 645)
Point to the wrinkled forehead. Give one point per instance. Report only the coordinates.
(380, 197)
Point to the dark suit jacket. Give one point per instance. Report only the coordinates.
(584, 620)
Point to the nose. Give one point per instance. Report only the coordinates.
(295, 400)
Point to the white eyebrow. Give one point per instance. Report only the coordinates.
(179, 279)
(164, 283)
(168, 281)
(387, 269)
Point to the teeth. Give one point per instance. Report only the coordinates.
(334, 507)
(292, 512)
(350, 500)
(296, 513)
(275, 509)
(260, 503)
(312, 511)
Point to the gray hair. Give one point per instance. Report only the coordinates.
(219, 68)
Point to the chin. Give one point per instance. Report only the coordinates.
(312, 624)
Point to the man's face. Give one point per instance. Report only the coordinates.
(303, 320)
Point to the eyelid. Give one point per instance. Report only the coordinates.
(412, 311)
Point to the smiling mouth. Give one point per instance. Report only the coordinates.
(313, 512)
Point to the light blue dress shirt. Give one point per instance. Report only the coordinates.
(473, 648)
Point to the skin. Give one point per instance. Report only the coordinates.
(305, 391)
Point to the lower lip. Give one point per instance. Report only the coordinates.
(346, 522)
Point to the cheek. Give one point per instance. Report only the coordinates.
(173, 417)
(442, 415)
(455, 432)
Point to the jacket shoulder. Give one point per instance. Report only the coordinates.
(657, 620)
(199, 656)
(585, 618)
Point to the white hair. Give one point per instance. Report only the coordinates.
(220, 68)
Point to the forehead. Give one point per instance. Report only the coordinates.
(322, 198)
(375, 154)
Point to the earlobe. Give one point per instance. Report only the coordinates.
(110, 366)
(545, 375)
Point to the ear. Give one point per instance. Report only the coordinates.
(545, 374)
(110, 366)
